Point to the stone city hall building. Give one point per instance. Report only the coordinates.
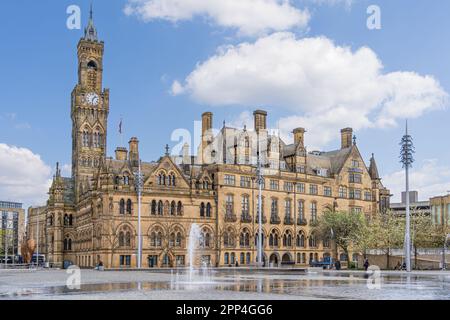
(93, 215)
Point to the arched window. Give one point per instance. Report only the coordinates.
(287, 239)
(202, 209)
(174, 180)
(257, 239)
(156, 238)
(227, 258)
(153, 207)
(178, 240)
(228, 238)
(244, 239)
(121, 239)
(122, 206)
(92, 65)
(208, 210)
(69, 244)
(117, 180)
(173, 208)
(126, 180)
(273, 239)
(248, 258)
(326, 242)
(65, 244)
(172, 240)
(160, 208)
(70, 220)
(301, 240)
(129, 206)
(205, 239)
(128, 239)
(179, 208)
(66, 220)
(312, 240)
(85, 139)
(153, 239)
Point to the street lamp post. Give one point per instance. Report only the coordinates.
(260, 182)
(139, 185)
(406, 156)
(37, 241)
(444, 249)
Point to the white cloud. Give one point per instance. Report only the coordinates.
(430, 179)
(325, 86)
(24, 177)
(249, 17)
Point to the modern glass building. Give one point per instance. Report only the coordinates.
(12, 221)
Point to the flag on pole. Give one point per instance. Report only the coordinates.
(120, 126)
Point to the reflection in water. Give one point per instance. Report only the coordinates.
(327, 285)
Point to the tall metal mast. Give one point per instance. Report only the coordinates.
(406, 156)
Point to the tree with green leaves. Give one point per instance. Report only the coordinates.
(421, 229)
(383, 232)
(345, 227)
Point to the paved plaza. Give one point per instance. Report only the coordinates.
(221, 284)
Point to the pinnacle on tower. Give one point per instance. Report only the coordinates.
(90, 33)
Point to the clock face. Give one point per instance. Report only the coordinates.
(92, 98)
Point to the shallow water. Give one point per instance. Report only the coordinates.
(233, 283)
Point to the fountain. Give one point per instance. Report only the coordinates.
(199, 269)
(194, 239)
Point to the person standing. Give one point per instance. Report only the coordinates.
(366, 264)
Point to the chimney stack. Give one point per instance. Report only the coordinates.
(299, 136)
(346, 138)
(207, 119)
(121, 154)
(134, 151)
(260, 120)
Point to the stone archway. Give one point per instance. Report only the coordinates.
(274, 260)
(287, 259)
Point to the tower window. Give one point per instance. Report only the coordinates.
(92, 65)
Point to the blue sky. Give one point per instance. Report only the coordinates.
(143, 58)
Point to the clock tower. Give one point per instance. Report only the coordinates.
(89, 111)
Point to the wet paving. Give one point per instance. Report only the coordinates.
(232, 284)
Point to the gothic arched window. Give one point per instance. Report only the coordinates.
(129, 206)
(172, 208)
(153, 207)
(92, 65)
(202, 209)
(208, 210)
(160, 208)
(122, 206)
(179, 208)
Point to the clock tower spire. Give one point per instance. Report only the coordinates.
(89, 110)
